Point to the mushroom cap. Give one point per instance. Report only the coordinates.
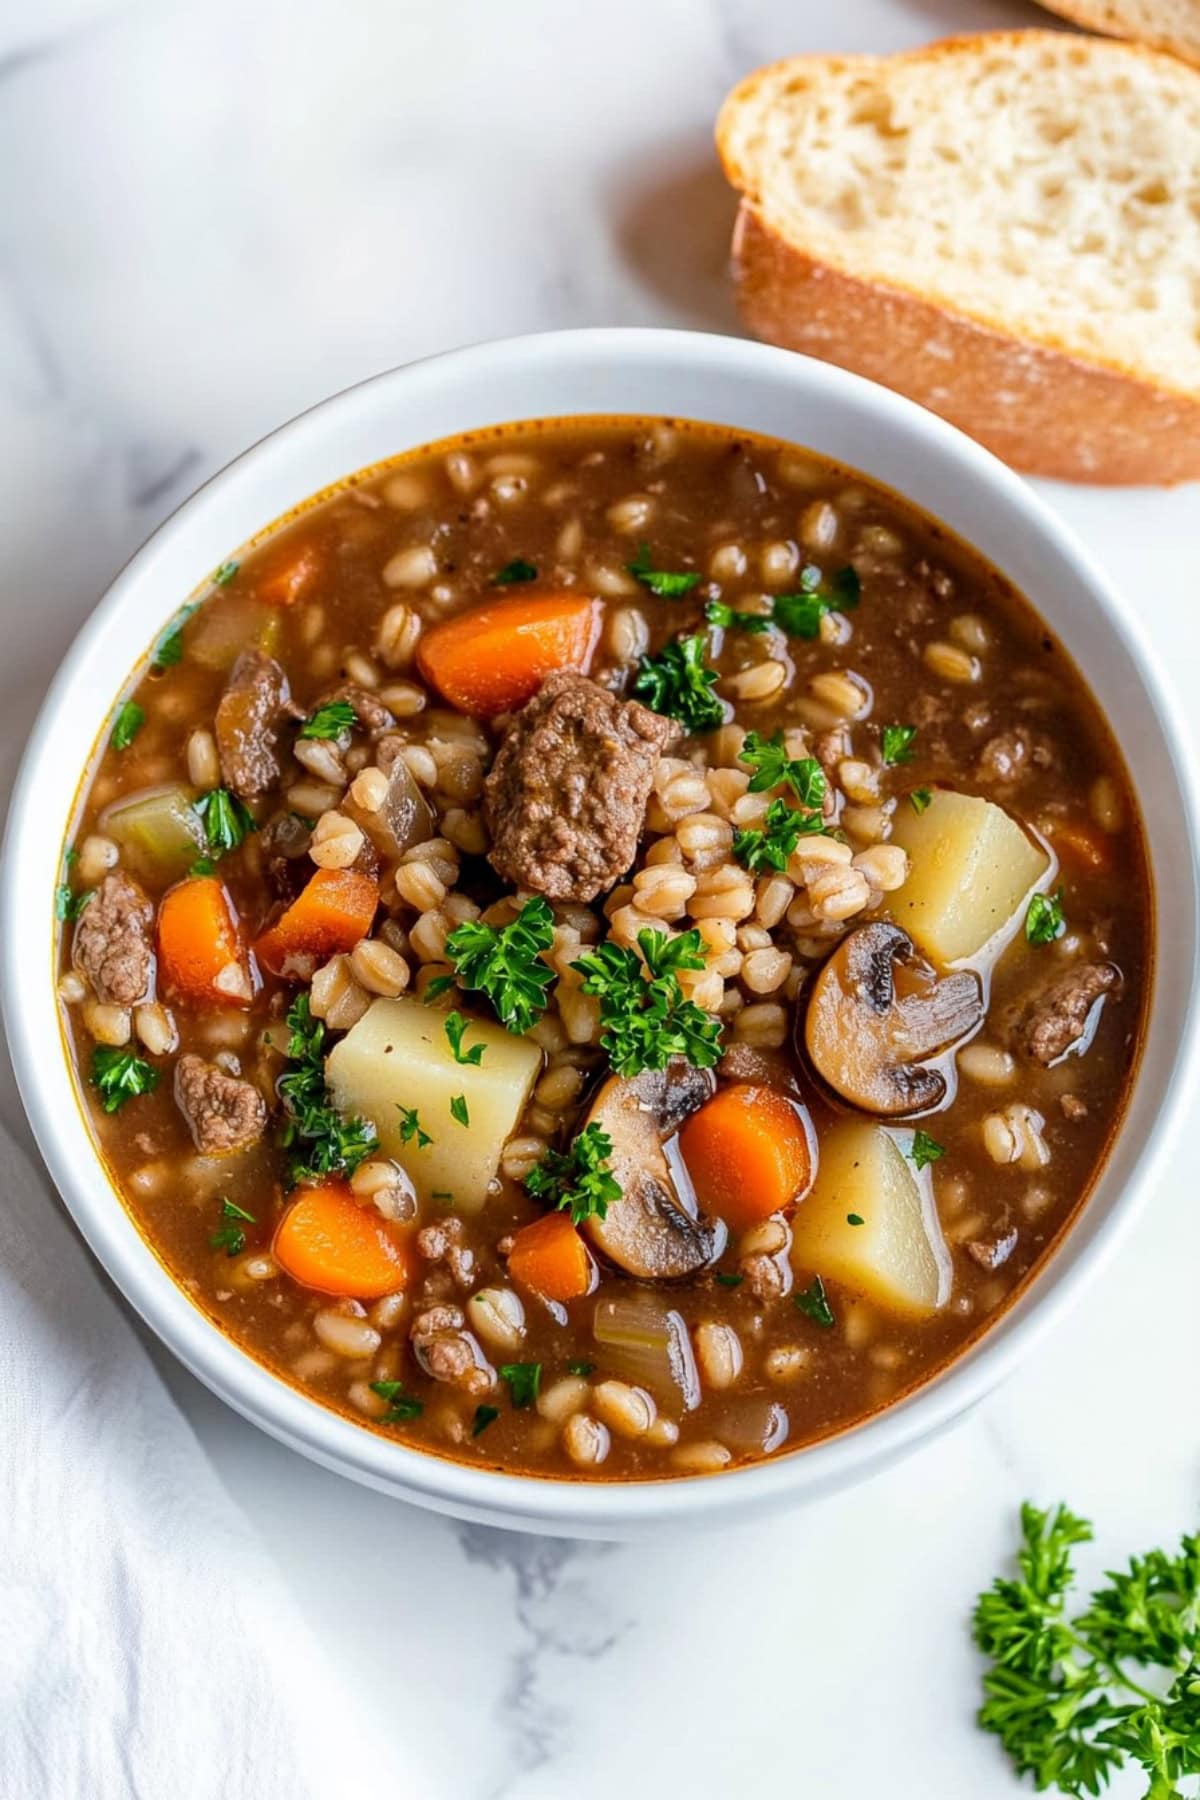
(867, 1037)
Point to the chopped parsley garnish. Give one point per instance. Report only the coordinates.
(814, 1304)
(644, 1018)
(770, 845)
(771, 765)
(203, 865)
(401, 1406)
(855, 1219)
(679, 683)
(717, 613)
(581, 1368)
(441, 1194)
(1044, 918)
(524, 1381)
(227, 821)
(67, 904)
(458, 1109)
(1060, 1694)
(411, 1128)
(484, 1416)
(229, 1236)
(456, 1030)
(441, 984)
(224, 575)
(919, 799)
(505, 963)
(516, 570)
(119, 1075)
(330, 721)
(579, 1180)
(169, 648)
(667, 584)
(126, 725)
(729, 1280)
(317, 1139)
(895, 744)
(925, 1150)
(800, 614)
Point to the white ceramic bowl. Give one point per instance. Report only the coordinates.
(613, 371)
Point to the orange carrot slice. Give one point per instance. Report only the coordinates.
(327, 1241)
(332, 914)
(287, 574)
(1080, 841)
(550, 1257)
(496, 656)
(201, 956)
(748, 1154)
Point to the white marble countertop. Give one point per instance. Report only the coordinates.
(213, 215)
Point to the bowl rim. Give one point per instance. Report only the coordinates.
(566, 1506)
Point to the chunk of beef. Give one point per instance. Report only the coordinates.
(223, 1113)
(251, 710)
(443, 1243)
(369, 709)
(449, 1353)
(1012, 755)
(993, 1252)
(565, 800)
(284, 843)
(112, 947)
(1053, 1020)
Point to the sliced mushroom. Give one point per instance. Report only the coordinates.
(653, 1230)
(867, 1040)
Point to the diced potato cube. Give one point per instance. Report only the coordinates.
(972, 870)
(398, 1059)
(897, 1256)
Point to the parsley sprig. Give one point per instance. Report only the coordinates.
(523, 1380)
(769, 845)
(330, 721)
(800, 614)
(772, 767)
(716, 612)
(644, 1018)
(667, 584)
(925, 1150)
(119, 1075)
(456, 1028)
(679, 683)
(227, 822)
(515, 571)
(316, 1137)
(1044, 918)
(1058, 1693)
(580, 1180)
(401, 1405)
(896, 744)
(229, 1235)
(813, 1302)
(125, 727)
(505, 963)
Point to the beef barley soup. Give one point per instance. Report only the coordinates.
(605, 947)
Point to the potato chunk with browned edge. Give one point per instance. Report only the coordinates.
(971, 871)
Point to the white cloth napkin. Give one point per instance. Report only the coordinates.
(148, 1648)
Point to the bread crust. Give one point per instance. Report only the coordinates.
(1041, 409)
(1094, 16)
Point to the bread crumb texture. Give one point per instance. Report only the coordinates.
(1172, 25)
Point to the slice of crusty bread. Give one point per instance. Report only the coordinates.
(1172, 25)
(1004, 227)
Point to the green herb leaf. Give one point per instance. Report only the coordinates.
(126, 725)
(456, 1029)
(665, 583)
(800, 614)
(1044, 919)
(330, 721)
(401, 1405)
(226, 820)
(580, 1180)
(516, 570)
(925, 1150)
(1059, 1693)
(67, 904)
(317, 1139)
(169, 648)
(441, 984)
(458, 1109)
(229, 1236)
(484, 1416)
(224, 575)
(855, 1219)
(678, 683)
(411, 1128)
(814, 1304)
(119, 1075)
(524, 1381)
(644, 1018)
(919, 799)
(581, 1368)
(729, 1280)
(505, 963)
(772, 766)
(895, 744)
(770, 845)
(203, 865)
(717, 613)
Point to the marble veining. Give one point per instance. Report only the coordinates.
(211, 216)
